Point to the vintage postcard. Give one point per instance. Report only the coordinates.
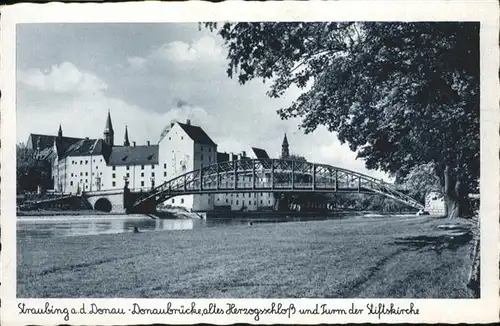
(241, 162)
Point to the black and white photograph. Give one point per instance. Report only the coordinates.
(215, 159)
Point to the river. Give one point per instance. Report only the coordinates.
(67, 226)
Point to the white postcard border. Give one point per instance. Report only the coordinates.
(481, 310)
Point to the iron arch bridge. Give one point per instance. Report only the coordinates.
(271, 175)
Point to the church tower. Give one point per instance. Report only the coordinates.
(59, 132)
(109, 134)
(126, 142)
(284, 149)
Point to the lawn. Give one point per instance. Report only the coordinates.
(359, 258)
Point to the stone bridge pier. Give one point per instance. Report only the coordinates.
(118, 201)
(106, 200)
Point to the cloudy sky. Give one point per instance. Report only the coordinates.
(148, 75)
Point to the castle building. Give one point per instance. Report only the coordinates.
(84, 164)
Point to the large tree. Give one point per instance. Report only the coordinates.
(420, 181)
(30, 172)
(400, 94)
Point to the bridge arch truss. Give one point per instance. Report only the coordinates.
(273, 175)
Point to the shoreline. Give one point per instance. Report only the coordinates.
(35, 213)
(214, 215)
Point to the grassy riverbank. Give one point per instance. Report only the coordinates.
(335, 259)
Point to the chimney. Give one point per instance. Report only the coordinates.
(148, 143)
(188, 121)
(244, 154)
(133, 143)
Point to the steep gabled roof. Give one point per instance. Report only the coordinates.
(45, 141)
(222, 157)
(47, 154)
(84, 147)
(64, 143)
(260, 153)
(130, 155)
(197, 134)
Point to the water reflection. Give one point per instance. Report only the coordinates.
(67, 226)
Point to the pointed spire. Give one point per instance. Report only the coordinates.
(59, 132)
(109, 134)
(285, 141)
(126, 141)
(109, 125)
(285, 153)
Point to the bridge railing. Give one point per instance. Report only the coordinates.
(273, 174)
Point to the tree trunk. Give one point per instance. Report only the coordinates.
(455, 195)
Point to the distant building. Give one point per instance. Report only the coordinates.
(84, 164)
(434, 203)
(244, 201)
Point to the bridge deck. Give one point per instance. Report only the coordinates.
(272, 175)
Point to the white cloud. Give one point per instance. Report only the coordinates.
(203, 49)
(65, 78)
(136, 62)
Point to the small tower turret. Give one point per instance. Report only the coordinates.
(285, 153)
(59, 132)
(126, 142)
(109, 133)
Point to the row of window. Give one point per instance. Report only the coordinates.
(86, 182)
(243, 202)
(142, 175)
(142, 167)
(209, 158)
(82, 162)
(246, 179)
(243, 194)
(81, 174)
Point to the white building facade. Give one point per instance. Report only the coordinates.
(244, 201)
(185, 148)
(86, 165)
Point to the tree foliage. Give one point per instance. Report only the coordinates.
(30, 172)
(399, 94)
(420, 181)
